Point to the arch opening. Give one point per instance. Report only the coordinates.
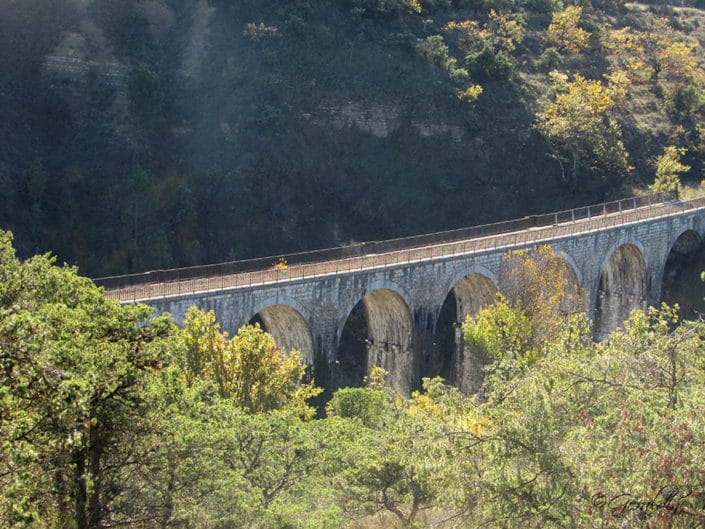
(448, 358)
(681, 275)
(622, 289)
(288, 328)
(377, 333)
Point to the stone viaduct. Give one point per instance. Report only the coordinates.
(399, 304)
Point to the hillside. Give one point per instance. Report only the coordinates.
(156, 133)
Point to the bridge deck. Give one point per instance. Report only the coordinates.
(148, 286)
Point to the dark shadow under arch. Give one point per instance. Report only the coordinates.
(681, 275)
(378, 332)
(447, 358)
(622, 289)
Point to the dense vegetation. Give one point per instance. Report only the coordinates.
(155, 133)
(111, 418)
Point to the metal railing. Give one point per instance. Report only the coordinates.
(377, 254)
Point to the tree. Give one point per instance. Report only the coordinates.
(36, 182)
(261, 377)
(248, 369)
(435, 51)
(213, 464)
(397, 460)
(74, 366)
(541, 300)
(488, 49)
(565, 33)
(656, 54)
(500, 331)
(145, 94)
(608, 435)
(507, 31)
(542, 284)
(583, 137)
(362, 7)
(668, 170)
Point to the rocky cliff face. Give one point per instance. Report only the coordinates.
(153, 133)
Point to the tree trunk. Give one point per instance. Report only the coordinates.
(80, 490)
(96, 447)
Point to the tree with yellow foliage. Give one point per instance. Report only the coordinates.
(506, 31)
(657, 54)
(249, 369)
(565, 33)
(541, 298)
(668, 170)
(583, 137)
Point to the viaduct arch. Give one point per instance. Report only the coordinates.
(398, 304)
(289, 329)
(622, 288)
(378, 332)
(448, 357)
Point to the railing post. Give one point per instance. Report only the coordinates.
(649, 199)
(572, 215)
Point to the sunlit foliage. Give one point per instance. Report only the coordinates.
(540, 299)
(248, 368)
(584, 139)
(668, 171)
(565, 32)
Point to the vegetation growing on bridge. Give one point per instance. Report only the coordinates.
(108, 418)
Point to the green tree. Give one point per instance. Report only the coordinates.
(145, 94)
(541, 300)
(74, 366)
(435, 51)
(488, 49)
(604, 435)
(36, 182)
(363, 7)
(397, 468)
(498, 332)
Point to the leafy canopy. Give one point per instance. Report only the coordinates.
(541, 298)
(249, 368)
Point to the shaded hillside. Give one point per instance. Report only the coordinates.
(155, 133)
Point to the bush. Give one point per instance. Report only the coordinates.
(550, 59)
